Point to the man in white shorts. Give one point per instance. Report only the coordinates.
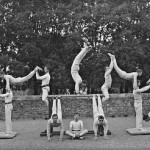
(75, 68)
(45, 84)
(11, 80)
(8, 109)
(108, 81)
(125, 75)
(76, 128)
(99, 117)
(55, 120)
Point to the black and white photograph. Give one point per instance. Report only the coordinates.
(74, 74)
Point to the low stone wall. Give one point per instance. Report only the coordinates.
(32, 107)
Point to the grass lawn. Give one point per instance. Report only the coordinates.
(28, 137)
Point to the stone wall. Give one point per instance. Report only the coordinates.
(32, 107)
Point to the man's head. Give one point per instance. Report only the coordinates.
(76, 116)
(101, 119)
(2, 74)
(46, 69)
(139, 72)
(82, 86)
(54, 117)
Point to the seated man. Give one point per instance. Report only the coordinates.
(8, 108)
(55, 120)
(99, 117)
(11, 80)
(75, 68)
(76, 128)
(138, 104)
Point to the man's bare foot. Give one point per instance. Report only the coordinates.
(89, 48)
(112, 57)
(109, 54)
(148, 82)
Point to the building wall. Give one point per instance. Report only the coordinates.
(32, 107)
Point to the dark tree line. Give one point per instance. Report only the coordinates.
(39, 32)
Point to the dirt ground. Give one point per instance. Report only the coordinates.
(28, 137)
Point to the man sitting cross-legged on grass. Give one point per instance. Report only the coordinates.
(76, 128)
(99, 117)
(55, 120)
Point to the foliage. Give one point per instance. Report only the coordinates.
(39, 32)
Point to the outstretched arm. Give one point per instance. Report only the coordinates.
(71, 126)
(38, 77)
(143, 89)
(48, 130)
(105, 130)
(95, 128)
(81, 126)
(4, 95)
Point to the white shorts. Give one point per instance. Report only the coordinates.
(45, 91)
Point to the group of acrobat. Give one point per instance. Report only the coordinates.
(76, 130)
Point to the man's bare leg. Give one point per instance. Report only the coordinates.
(8, 121)
(100, 109)
(44, 96)
(95, 110)
(83, 132)
(59, 112)
(54, 109)
(70, 134)
(121, 73)
(139, 114)
(105, 93)
(82, 53)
